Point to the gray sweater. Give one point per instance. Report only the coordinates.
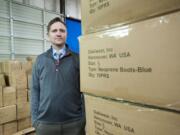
(55, 92)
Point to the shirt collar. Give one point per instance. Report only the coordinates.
(61, 51)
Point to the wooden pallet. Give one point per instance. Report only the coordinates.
(27, 131)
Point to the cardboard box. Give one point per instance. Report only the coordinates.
(22, 96)
(23, 110)
(7, 114)
(138, 62)
(2, 80)
(18, 79)
(9, 96)
(1, 98)
(102, 14)
(24, 123)
(10, 128)
(10, 66)
(117, 118)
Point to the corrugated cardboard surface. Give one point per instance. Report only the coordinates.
(10, 128)
(23, 110)
(18, 79)
(22, 96)
(27, 66)
(114, 118)
(7, 114)
(24, 123)
(2, 80)
(11, 66)
(137, 62)
(9, 96)
(102, 14)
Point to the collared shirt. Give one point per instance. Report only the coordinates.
(59, 54)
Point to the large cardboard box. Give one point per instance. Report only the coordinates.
(137, 62)
(102, 14)
(23, 110)
(10, 128)
(7, 114)
(24, 123)
(9, 96)
(1, 98)
(117, 118)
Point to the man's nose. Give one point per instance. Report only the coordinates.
(59, 33)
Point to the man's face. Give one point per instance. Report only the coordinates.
(57, 34)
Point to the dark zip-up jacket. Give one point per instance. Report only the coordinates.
(55, 92)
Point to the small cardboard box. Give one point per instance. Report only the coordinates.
(137, 62)
(7, 114)
(9, 96)
(10, 128)
(111, 117)
(102, 14)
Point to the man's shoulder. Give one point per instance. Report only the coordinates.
(44, 54)
(75, 55)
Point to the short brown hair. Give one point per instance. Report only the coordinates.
(56, 19)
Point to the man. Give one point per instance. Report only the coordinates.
(56, 101)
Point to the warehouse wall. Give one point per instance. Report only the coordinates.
(23, 27)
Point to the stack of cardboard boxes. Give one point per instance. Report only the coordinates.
(14, 101)
(129, 65)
